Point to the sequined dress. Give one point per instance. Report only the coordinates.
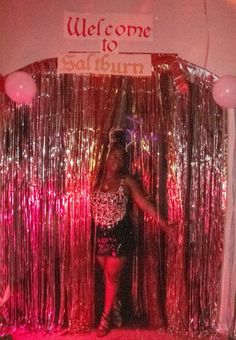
(112, 225)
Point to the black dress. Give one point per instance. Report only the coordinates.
(112, 224)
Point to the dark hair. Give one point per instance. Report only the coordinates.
(117, 141)
(117, 136)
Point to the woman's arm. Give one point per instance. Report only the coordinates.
(5, 297)
(144, 204)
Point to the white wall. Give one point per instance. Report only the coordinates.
(200, 31)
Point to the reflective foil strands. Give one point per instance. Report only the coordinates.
(51, 153)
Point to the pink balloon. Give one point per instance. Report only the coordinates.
(20, 87)
(224, 91)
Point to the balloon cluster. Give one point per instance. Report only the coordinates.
(224, 91)
(20, 87)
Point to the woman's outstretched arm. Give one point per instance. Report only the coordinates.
(144, 203)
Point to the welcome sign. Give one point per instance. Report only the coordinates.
(108, 29)
(100, 63)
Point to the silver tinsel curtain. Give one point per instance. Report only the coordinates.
(49, 156)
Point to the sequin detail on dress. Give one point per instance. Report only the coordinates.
(108, 208)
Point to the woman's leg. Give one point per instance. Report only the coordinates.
(112, 267)
(112, 271)
(101, 260)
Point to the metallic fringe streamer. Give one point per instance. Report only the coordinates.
(50, 154)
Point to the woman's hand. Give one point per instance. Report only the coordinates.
(148, 207)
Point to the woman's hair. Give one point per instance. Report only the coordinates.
(117, 136)
(117, 141)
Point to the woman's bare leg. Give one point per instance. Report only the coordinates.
(101, 260)
(112, 268)
(112, 271)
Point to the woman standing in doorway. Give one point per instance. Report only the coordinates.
(114, 240)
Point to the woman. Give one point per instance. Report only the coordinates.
(114, 239)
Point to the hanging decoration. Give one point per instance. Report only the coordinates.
(2, 85)
(50, 153)
(224, 91)
(20, 87)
